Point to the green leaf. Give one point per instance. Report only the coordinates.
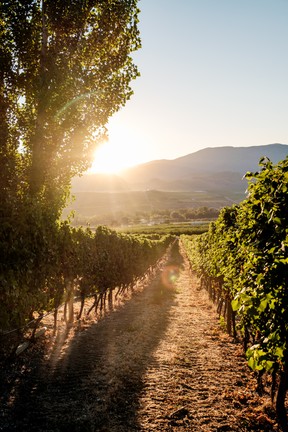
(263, 305)
(236, 304)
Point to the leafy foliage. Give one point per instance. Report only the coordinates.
(248, 248)
(66, 67)
(39, 274)
(66, 70)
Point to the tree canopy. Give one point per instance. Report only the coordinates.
(66, 67)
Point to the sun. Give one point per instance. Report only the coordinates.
(106, 160)
(119, 152)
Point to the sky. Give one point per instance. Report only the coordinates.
(213, 73)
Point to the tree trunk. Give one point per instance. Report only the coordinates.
(82, 306)
(233, 315)
(38, 160)
(71, 302)
(55, 319)
(110, 299)
(280, 401)
(229, 316)
(93, 305)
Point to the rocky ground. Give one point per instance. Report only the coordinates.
(159, 361)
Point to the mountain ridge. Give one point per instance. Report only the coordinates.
(211, 177)
(193, 171)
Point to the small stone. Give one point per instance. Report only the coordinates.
(179, 413)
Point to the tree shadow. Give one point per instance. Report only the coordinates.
(96, 385)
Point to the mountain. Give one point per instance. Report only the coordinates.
(207, 161)
(213, 168)
(211, 177)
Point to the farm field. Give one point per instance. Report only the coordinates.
(159, 362)
(96, 203)
(177, 229)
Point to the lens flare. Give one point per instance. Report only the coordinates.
(169, 276)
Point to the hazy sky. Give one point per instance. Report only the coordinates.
(213, 73)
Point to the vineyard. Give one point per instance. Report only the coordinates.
(157, 361)
(71, 263)
(242, 262)
(128, 340)
(55, 103)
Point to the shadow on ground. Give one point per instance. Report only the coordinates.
(96, 385)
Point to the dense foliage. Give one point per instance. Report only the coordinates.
(246, 249)
(118, 218)
(54, 267)
(65, 68)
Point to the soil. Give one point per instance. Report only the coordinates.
(160, 361)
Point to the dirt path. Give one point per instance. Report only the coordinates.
(160, 362)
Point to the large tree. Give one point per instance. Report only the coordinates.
(65, 68)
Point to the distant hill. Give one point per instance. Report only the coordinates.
(210, 169)
(211, 177)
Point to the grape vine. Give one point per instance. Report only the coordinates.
(243, 259)
(52, 264)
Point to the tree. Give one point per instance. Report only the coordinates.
(66, 67)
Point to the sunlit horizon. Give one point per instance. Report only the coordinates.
(207, 88)
(124, 148)
(111, 159)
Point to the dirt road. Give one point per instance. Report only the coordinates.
(160, 362)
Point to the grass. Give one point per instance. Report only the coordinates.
(162, 229)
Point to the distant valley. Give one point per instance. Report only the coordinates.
(211, 177)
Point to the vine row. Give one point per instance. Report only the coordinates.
(243, 261)
(49, 267)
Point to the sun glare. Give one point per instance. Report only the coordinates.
(118, 153)
(106, 160)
